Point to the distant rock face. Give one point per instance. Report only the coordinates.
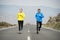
(51, 20)
(58, 18)
(54, 19)
(54, 22)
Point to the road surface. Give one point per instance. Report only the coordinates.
(29, 33)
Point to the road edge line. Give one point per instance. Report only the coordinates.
(52, 29)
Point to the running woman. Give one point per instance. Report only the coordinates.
(20, 17)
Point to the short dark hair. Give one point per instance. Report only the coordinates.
(39, 9)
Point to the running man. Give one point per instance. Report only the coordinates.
(39, 17)
(20, 17)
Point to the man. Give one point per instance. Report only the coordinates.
(39, 17)
(20, 17)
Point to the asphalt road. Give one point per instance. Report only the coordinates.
(29, 33)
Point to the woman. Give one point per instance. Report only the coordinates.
(20, 17)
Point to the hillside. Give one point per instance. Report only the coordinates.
(5, 24)
(54, 22)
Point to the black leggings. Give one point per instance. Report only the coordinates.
(20, 24)
(39, 24)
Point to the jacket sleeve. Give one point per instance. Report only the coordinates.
(23, 15)
(36, 16)
(42, 16)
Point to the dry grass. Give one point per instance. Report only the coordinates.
(5, 24)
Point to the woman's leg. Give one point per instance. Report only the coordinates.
(19, 25)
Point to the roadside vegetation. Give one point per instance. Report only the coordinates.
(6, 24)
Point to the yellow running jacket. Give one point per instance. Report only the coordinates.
(20, 16)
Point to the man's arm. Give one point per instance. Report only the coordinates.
(41, 15)
(36, 15)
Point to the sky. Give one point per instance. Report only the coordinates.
(48, 3)
(10, 8)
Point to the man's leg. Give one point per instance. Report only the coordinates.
(40, 25)
(37, 27)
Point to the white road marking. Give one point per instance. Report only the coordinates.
(28, 38)
(28, 31)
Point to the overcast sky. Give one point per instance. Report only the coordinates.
(47, 3)
(9, 9)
